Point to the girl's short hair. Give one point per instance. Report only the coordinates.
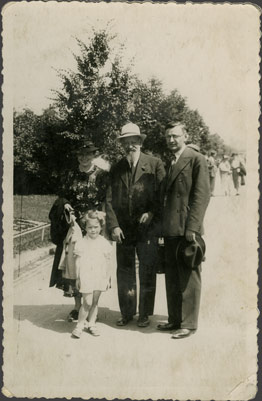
(94, 214)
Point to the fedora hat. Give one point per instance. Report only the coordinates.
(86, 146)
(191, 254)
(130, 129)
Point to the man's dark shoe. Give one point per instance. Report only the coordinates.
(143, 321)
(123, 321)
(73, 316)
(167, 327)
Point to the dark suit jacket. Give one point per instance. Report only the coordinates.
(185, 195)
(125, 204)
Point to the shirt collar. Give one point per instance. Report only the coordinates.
(135, 160)
(179, 152)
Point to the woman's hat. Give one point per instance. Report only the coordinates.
(131, 129)
(86, 146)
(191, 254)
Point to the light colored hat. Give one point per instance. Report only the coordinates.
(130, 129)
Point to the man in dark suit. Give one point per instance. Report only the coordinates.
(185, 195)
(131, 208)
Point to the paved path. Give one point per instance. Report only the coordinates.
(218, 362)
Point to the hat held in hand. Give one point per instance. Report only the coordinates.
(191, 254)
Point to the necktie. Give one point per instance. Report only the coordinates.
(131, 172)
(172, 164)
(132, 168)
(173, 161)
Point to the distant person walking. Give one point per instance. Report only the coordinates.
(235, 166)
(243, 171)
(212, 169)
(225, 173)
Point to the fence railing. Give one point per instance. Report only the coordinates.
(30, 230)
(31, 238)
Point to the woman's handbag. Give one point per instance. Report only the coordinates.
(160, 259)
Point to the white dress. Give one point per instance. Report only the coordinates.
(95, 260)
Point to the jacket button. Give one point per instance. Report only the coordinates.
(178, 196)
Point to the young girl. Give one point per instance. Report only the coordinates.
(93, 261)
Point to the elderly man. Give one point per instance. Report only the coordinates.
(131, 208)
(185, 195)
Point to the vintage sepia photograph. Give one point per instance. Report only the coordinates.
(130, 200)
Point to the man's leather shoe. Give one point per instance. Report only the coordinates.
(143, 322)
(167, 327)
(182, 333)
(123, 321)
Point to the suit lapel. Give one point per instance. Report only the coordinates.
(183, 160)
(141, 167)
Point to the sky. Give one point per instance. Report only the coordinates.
(209, 53)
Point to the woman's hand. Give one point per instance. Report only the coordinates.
(68, 207)
(69, 214)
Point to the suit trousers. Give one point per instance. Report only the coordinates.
(126, 277)
(183, 288)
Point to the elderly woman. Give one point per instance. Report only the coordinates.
(80, 191)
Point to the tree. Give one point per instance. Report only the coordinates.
(25, 144)
(95, 101)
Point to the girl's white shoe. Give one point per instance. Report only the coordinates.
(94, 331)
(77, 332)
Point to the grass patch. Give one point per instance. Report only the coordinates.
(33, 207)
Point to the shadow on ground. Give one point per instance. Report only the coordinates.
(54, 317)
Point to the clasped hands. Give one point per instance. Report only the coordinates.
(117, 233)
